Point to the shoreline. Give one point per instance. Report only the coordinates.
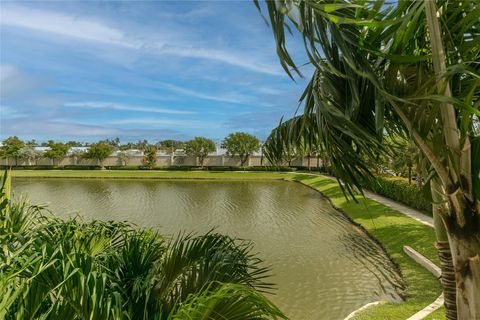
(388, 227)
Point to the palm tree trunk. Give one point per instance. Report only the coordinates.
(446, 264)
(466, 261)
(448, 278)
(463, 220)
(419, 175)
(409, 175)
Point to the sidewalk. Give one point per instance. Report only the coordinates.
(420, 217)
(400, 207)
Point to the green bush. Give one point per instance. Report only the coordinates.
(250, 168)
(196, 168)
(166, 168)
(51, 167)
(398, 190)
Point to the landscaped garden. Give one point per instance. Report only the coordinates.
(346, 199)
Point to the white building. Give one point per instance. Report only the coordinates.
(77, 150)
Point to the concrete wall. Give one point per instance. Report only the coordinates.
(162, 161)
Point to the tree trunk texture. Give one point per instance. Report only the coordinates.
(448, 280)
(466, 262)
(464, 243)
(440, 209)
(460, 264)
(409, 175)
(419, 175)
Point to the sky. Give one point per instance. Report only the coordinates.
(141, 70)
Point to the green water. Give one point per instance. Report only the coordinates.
(324, 266)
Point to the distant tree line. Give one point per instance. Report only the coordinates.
(404, 159)
(239, 144)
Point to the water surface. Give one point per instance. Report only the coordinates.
(324, 266)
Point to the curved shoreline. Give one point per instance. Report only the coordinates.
(393, 230)
(378, 221)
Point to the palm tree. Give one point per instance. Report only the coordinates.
(409, 67)
(72, 269)
(405, 156)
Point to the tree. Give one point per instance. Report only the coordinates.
(199, 147)
(75, 154)
(73, 143)
(150, 156)
(31, 143)
(99, 151)
(57, 151)
(11, 148)
(241, 144)
(405, 157)
(141, 144)
(124, 156)
(169, 146)
(409, 67)
(112, 142)
(28, 153)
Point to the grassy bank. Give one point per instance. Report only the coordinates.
(391, 228)
(136, 174)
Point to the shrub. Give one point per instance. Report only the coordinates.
(399, 190)
(51, 167)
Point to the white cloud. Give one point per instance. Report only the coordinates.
(222, 97)
(7, 112)
(13, 82)
(116, 106)
(65, 25)
(182, 124)
(40, 128)
(239, 60)
(95, 31)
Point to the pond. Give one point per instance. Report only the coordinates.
(323, 265)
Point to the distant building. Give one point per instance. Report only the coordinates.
(41, 149)
(223, 152)
(220, 151)
(77, 150)
(131, 152)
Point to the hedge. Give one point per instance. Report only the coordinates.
(166, 168)
(401, 191)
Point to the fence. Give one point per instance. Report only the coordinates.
(162, 161)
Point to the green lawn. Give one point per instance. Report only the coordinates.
(391, 228)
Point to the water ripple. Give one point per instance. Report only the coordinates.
(323, 265)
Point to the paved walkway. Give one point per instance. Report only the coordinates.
(422, 218)
(400, 207)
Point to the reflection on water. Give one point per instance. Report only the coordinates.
(324, 266)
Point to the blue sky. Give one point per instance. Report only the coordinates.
(133, 70)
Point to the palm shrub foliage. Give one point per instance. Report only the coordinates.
(406, 68)
(72, 269)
